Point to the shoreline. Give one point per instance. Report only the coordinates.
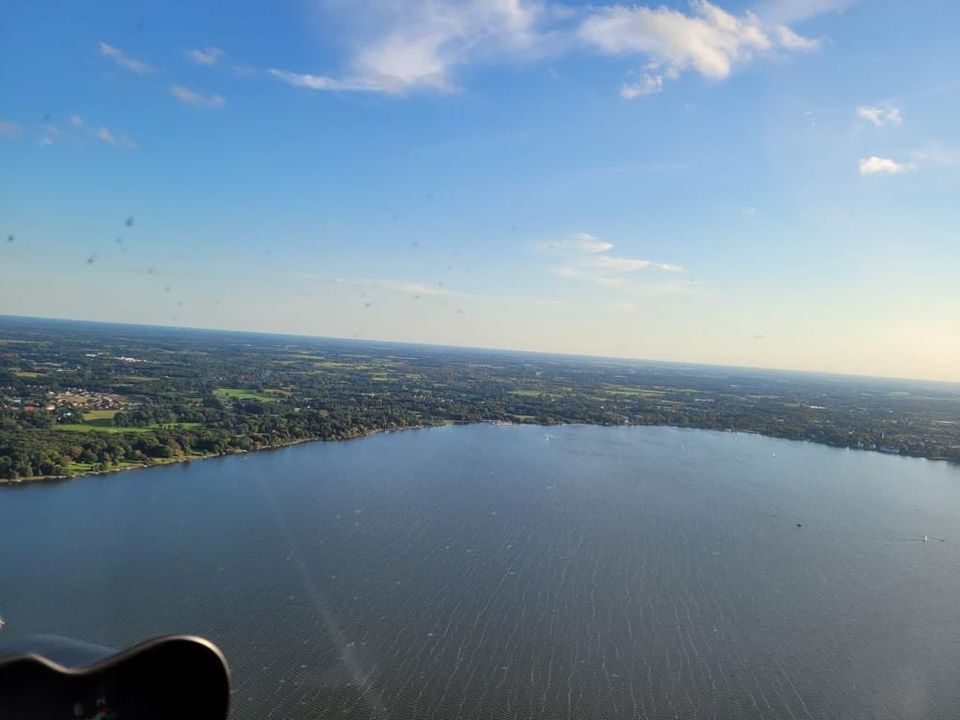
(212, 456)
(494, 423)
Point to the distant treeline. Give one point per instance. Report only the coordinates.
(178, 394)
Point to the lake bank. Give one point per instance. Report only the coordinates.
(495, 423)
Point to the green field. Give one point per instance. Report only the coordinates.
(241, 394)
(103, 425)
(81, 467)
(92, 415)
(634, 392)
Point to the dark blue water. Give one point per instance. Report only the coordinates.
(519, 572)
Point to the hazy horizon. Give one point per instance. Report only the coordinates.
(479, 348)
(744, 183)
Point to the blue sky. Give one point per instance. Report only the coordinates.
(769, 184)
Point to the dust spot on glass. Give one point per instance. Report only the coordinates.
(166, 288)
(92, 259)
(151, 270)
(179, 303)
(46, 117)
(367, 304)
(119, 240)
(459, 311)
(129, 222)
(10, 238)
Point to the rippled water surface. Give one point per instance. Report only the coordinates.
(519, 572)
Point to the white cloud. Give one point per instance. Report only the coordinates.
(323, 82)
(880, 116)
(397, 47)
(400, 46)
(708, 41)
(937, 155)
(591, 244)
(647, 85)
(587, 258)
(427, 39)
(792, 41)
(107, 136)
(407, 287)
(205, 56)
(191, 97)
(874, 165)
(124, 60)
(10, 128)
(578, 244)
(750, 211)
(612, 263)
(77, 121)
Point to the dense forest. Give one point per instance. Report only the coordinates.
(87, 397)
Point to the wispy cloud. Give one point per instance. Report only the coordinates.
(77, 121)
(205, 56)
(587, 258)
(10, 128)
(874, 165)
(790, 40)
(322, 82)
(648, 84)
(579, 244)
(880, 116)
(191, 97)
(418, 44)
(123, 60)
(105, 135)
(407, 287)
(613, 263)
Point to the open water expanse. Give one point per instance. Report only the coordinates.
(518, 572)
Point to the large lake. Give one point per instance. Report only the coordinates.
(518, 572)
